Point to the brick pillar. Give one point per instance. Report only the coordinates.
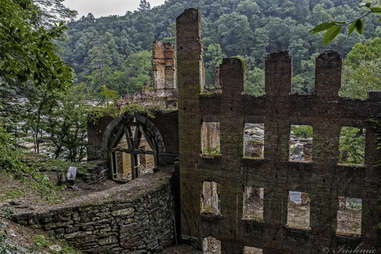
(170, 70)
(328, 75)
(232, 121)
(158, 65)
(325, 153)
(163, 67)
(277, 135)
(372, 201)
(278, 74)
(189, 74)
(278, 88)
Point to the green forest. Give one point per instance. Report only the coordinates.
(116, 50)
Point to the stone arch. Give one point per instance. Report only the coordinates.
(133, 128)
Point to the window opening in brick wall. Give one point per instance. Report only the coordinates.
(300, 148)
(210, 198)
(253, 140)
(211, 245)
(352, 146)
(252, 250)
(253, 203)
(298, 212)
(349, 216)
(210, 138)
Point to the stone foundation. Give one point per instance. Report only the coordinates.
(137, 217)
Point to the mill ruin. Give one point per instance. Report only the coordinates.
(208, 184)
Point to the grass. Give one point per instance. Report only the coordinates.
(11, 194)
(253, 217)
(41, 242)
(38, 181)
(212, 151)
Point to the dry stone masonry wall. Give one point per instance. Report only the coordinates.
(323, 178)
(134, 218)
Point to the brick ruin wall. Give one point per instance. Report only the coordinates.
(132, 218)
(323, 178)
(163, 67)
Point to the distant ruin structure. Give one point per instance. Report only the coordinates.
(164, 90)
(163, 68)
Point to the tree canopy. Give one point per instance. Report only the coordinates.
(334, 27)
(247, 28)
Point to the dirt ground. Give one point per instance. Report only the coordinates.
(23, 196)
(22, 240)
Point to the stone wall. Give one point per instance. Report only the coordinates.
(323, 177)
(137, 217)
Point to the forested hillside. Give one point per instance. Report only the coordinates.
(115, 50)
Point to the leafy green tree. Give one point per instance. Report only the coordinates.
(109, 100)
(255, 82)
(362, 70)
(144, 5)
(31, 73)
(53, 12)
(171, 34)
(248, 8)
(30, 69)
(212, 56)
(333, 28)
(66, 124)
(233, 32)
(37, 105)
(352, 145)
(10, 153)
(27, 51)
(137, 72)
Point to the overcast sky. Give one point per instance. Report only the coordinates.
(101, 8)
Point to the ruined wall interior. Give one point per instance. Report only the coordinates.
(320, 179)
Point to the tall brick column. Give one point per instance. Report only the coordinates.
(189, 66)
(232, 80)
(277, 135)
(372, 205)
(324, 199)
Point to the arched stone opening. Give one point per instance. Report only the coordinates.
(132, 145)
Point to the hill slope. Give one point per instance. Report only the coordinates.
(115, 50)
